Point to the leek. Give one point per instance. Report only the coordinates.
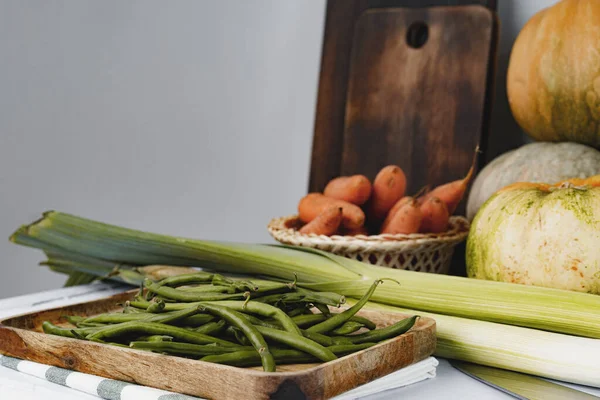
(547, 354)
(536, 307)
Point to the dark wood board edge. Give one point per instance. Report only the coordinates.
(320, 381)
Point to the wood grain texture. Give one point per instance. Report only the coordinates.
(21, 337)
(380, 101)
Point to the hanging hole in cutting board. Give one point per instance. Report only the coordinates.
(417, 34)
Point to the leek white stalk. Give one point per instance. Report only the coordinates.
(546, 354)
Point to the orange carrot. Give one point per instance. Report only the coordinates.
(399, 204)
(314, 204)
(453, 192)
(326, 223)
(388, 187)
(435, 216)
(406, 220)
(354, 189)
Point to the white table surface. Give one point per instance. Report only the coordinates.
(449, 383)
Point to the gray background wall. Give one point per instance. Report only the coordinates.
(191, 119)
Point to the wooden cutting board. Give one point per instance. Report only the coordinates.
(405, 82)
(22, 337)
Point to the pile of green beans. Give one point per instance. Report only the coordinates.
(235, 322)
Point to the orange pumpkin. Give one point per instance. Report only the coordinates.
(553, 79)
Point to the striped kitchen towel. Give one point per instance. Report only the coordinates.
(110, 389)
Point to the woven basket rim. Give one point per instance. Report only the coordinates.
(457, 232)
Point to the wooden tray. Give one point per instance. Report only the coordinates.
(21, 337)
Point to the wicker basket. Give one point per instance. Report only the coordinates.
(417, 252)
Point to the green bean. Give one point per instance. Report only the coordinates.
(331, 323)
(282, 356)
(156, 307)
(171, 318)
(339, 340)
(196, 320)
(153, 328)
(211, 328)
(257, 321)
(156, 338)
(317, 337)
(297, 342)
(264, 310)
(345, 349)
(184, 296)
(111, 343)
(186, 279)
(186, 349)
(251, 358)
(329, 298)
(378, 335)
(323, 340)
(274, 288)
(244, 286)
(168, 307)
(140, 304)
(90, 324)
(117, 318)
(52, 329)
(128, 309)
(308, 320)
(365, 321)
(269, 299)
(186, 316)
(323, 309)
(238, 320)
(232, 331)
(298, 311)
(208, 288)
(73, 319)
(347, 328)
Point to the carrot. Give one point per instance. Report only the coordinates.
(435, 216)
(388, 187)
(326, 223)
(399, 204)
(453, 192)
(314, 204)
(354, 189)
(406, 220)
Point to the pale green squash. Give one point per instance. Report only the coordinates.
(537, 236)
(535, 162)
